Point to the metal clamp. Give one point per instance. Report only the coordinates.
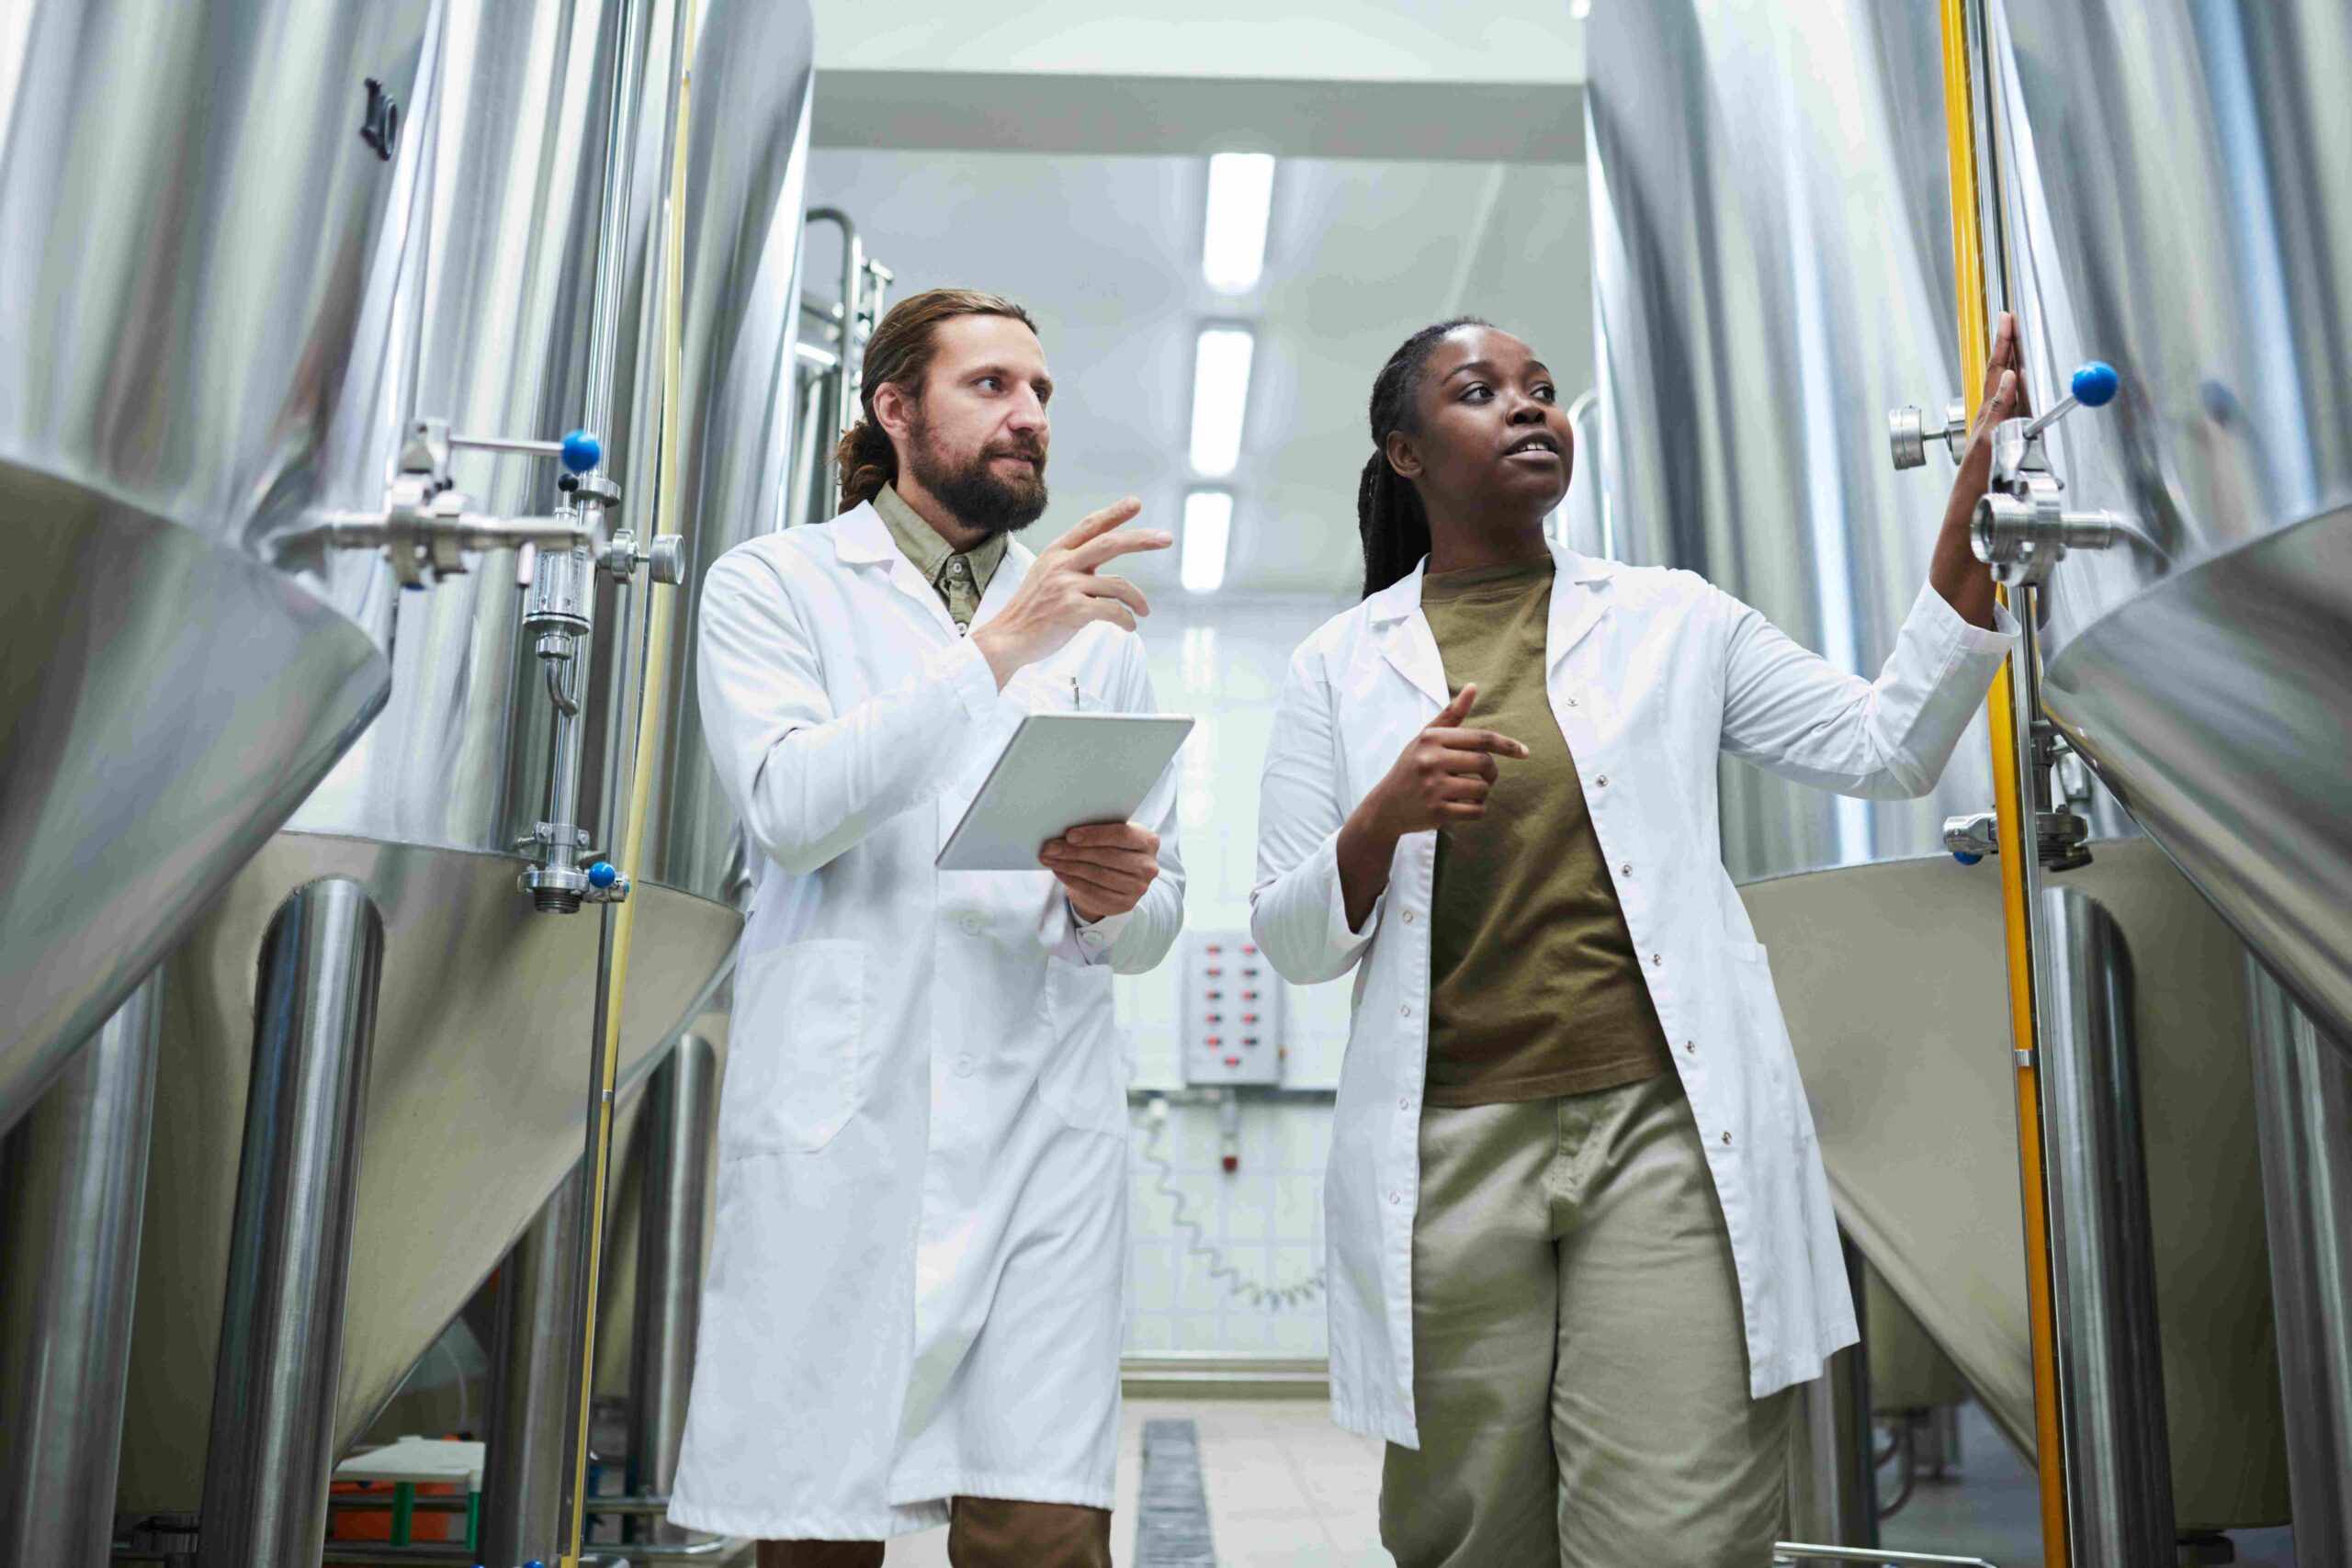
(1907, 434)
(664, 557)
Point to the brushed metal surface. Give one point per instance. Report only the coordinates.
(2110, 1363)
(193, 237)
(1772, 270)
(474, 1113)
(73, 1182)
(2176, 202)
(272, 1448)
(1891, 976)
(747, 166)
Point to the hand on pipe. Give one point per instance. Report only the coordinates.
(1105, 870)
(1440, 779)
(1964, 582)
(1065, 592)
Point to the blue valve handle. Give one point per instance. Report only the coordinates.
(603, 873)
(1966, 859)
(2095, 384)
(582, 451)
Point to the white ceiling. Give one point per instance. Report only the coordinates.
(1105, 253)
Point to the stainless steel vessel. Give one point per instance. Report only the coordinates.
(1774, 270)
(2175, 199)
(475, 1111)
(196, 205)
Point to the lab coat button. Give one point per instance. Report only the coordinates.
(1408, 916)
(1690, 1047)
(1602, 783)
(1656, 959)
(1625, 870)
(1405, 1104)
(1090, 939)
(971, 924)
(1405, 1011)
(963, 1066)
(1727, 1135)
(1395, 1198)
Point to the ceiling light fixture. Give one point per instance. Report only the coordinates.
(1580, 9)
(1208, 529)
(1233, 248)
(1220, 397)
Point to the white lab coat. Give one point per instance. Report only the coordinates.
(915, 1277)
(1651, 674)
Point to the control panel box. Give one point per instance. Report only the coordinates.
(1231, 1001)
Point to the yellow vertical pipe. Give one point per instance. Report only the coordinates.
(2018, 839)
(650, 715)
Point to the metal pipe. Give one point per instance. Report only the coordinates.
(845, 376)
(273, 1448)
(1833, 1476)
(530, 1408)
(680, 1120)
(2302, 1088)
(84, 1174)
(2118, 1456)
(1973, 162)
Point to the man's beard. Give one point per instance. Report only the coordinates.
(974, 491)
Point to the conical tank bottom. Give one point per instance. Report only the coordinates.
(164, 706)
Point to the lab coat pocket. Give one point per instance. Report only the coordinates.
(795, 1070)
(1084, 1080)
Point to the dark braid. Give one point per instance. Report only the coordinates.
(1389, 516)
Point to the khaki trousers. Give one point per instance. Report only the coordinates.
(982, 1532)
(1579, 1367)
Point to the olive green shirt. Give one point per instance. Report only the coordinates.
(959, 579)
(1535, 990)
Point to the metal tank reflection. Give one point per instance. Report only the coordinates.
(194, 203)
(2174, 199)
(1774, 270)
(527, 265)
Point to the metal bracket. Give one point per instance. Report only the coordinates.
(1908, 434)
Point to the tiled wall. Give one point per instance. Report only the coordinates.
(1222, 660)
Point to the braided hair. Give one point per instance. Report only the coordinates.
(1389, 515)
(900, 351)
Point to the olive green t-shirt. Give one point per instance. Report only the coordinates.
(1535, 990)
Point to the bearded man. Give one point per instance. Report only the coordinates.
(912, 1313)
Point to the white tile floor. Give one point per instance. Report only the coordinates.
(1287, 1488)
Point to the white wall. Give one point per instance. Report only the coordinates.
(1394, 40)
(1222, 660)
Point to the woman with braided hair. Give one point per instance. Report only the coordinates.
(1581, 1242)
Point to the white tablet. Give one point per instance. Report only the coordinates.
(1061, 771)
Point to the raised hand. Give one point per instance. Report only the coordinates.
(1440, 779)
(1065, 593)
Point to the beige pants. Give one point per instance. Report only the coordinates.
(1579, 1368)
(982, 1532)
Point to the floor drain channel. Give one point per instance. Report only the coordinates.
(1173, 1515)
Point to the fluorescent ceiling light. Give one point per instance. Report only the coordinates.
(1220, 397)
(1208, 528)
(1580, 9)
(1233, 250)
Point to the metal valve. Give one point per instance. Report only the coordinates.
(665, 557)
(1908, 435)
(2021, 528)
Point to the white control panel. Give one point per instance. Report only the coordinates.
(1232, 1003)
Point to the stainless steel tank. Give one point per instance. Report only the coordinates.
(198, 205)
(475, 1107)
(1774, 270)
(2176, 199)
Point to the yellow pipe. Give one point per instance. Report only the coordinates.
(2012, 810)
(650, 715)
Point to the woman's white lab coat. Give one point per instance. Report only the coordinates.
(1651, 674)
(915, 1277)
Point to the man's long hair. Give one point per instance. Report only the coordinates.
(900, 351)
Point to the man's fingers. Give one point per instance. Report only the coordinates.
(1108, 883)
(1457, 710)
(1096, 524)
(1096, 551)
(1117, 835)
(1463, 787)
(1119, 588)
(1477, 740)
(1111, 610)
(1460, 811)
(1131, 863)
